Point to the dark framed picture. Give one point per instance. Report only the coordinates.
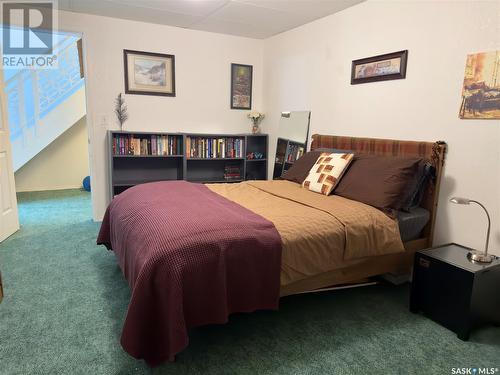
(148, 73)
(241, 86)
(379, 68)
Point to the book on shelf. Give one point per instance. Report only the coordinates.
(232, 172)
(294, 152)
(212, 148)
(150, 145)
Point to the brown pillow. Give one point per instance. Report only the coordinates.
(299, 171)
(380, 181)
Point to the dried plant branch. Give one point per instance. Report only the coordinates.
(121, 110)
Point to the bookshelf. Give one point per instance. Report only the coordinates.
(256, 168)
(287, 151)
(141, 157)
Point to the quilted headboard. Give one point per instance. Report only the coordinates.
(431, 151)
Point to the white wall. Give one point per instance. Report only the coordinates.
(61, 165)
(202, 69)
(309, 68)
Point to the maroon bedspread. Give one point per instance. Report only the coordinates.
(191, 258)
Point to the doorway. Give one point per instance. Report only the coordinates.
(49, 138)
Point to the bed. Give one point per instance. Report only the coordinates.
(401, 262)
(193, 254)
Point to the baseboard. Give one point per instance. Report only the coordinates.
(31, 190)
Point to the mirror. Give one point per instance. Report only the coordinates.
(293, 131)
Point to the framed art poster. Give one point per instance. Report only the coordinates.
(379, 68)
(481, 88)
(148, 73)
(241, 86)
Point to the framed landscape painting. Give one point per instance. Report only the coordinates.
(149, 73)
(481, 89)
(379, 68)
(241, 86)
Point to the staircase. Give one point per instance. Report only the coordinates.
(43, 104)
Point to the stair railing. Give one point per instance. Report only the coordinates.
(33, 94)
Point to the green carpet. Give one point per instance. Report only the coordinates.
(66, 300)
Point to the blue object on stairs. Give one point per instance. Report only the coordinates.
(86, 183)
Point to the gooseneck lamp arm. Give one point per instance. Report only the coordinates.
(480, 257)
(489, 226)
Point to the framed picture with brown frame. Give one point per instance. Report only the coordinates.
(148, 73)
(241, 86)
(379, 68)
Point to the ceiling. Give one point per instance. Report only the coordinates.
(250, 18)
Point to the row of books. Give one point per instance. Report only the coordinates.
(232, 172)
(294, 152)
(210, 148)
(128, 144)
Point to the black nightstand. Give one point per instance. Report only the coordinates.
(454, 292)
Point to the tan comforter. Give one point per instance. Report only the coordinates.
(318, 232)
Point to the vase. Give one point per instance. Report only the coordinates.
(255, 126)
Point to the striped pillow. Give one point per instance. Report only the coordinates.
(326, 173)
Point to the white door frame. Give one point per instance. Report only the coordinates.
(82, 31)
(9, 219)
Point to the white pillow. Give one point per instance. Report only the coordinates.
(327, 172)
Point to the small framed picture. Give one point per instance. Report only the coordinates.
(148, 73)
(241, 86)
(379, 68)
